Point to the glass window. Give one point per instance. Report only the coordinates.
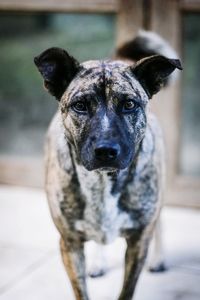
(26, 108)
(190, 118)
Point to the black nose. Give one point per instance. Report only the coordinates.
(107, 152)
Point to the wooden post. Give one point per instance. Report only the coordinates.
(129, 19)
(165, 22)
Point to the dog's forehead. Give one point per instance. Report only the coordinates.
(104, 64)
(113, 77)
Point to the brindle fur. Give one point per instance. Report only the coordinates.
(100, 201)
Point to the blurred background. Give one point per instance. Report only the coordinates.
(91, 29)
(26, 108)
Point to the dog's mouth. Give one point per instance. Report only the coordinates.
(107, 169)
(99, 168)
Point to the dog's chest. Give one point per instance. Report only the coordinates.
(103, 220)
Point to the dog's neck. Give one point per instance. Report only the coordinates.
(102, 192)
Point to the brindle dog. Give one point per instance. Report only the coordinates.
(104, 157)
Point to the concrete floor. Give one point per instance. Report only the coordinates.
(31, 268)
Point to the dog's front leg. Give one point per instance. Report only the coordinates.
(156, 257)
(74, 262)
(134, 260)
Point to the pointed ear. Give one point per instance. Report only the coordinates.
(58, 69)
(152, 72)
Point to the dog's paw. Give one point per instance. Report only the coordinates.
(98, 272)
(96, 262)
(157, 268)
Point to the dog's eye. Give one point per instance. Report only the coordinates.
(128, 105)
(80, 106)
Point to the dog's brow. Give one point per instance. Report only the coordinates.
(85, 90)
(122, 96)
(85, 94)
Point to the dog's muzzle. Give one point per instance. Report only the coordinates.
(107, 152)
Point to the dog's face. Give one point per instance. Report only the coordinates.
(103, 103)
(104, 114)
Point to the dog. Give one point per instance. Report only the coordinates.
(105, 154)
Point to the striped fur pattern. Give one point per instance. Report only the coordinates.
(100, 192)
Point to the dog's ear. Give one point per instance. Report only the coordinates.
(58, 69)
(152, 72)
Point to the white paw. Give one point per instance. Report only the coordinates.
(157, 267)
(96, 262)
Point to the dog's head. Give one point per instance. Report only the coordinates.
(103, 103)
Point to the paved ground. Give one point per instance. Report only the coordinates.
(31, 269)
